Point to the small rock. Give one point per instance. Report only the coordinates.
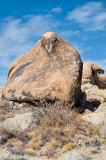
(17, 123)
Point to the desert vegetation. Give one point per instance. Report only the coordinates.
(57, 132)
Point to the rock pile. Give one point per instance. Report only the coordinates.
(93, 74)
(51, 74)
(94, 85)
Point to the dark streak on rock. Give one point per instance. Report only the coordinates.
(26, 94)
(12, 93)
(20, 70)
(50, 41)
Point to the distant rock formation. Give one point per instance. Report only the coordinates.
(94, 85)
(94, 95)
(93, 74)
(51, 70)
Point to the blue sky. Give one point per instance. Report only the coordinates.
(23, 22)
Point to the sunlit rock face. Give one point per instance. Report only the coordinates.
(51, 70)
(93, 74)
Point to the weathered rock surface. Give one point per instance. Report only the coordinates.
(4, 103)
(93, 74)
(101, 108)
(94, 95)
(1, 89)
(51, 70)
(17, 123)
(97, 118)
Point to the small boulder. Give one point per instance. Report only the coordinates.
(94, 95)
(51, 70)
(98, 119)
(93, 74)
(95, 118)
(17, 123)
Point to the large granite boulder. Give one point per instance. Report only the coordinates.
(51, 70)
(93, 74)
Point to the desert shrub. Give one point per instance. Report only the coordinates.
(66, 131)
(30, 151)
(59, 115)
(2, 117)
(34, 143)
(10, 115)
(31, 134)
(17, 151)
(12, 140)
(54, 143)
(50, 154)
(94, 129)
(4, 131)
(68, 146)
(4, 135)
(56, 130)
(22, 135)
(47, 134)
(16, 143)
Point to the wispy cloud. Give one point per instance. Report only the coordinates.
(91, 16)
(80, 47)
(69, 33)
(17, 36)
(56, 10)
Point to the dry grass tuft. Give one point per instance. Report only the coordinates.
(34, 143)
(50, 154)
(31, 134)
(53, 144)
(34, 133)
(2, 117)
(30, 151)
(10, 115)
(3, 131)
(16, 143)
(67, 147)
(94, 129)
(18, 150)
(58, 129)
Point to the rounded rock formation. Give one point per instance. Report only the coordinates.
(93, 74)
(51, 70)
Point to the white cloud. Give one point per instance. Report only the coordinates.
(91, 16)
(17, 36)
(56, 10)
(68, 33)
(80, 48)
